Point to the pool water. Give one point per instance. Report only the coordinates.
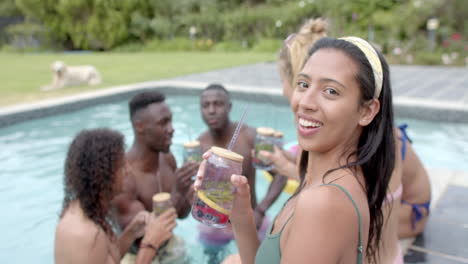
(32, 156)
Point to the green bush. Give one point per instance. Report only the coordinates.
(26, 36)
(230, 46)
(168, 45)
(428, 58)
(140, 26)
(244, 24)
(83, 24)
(8, 8)
(162, 27)
(130, 47)
(209, 26)
(179, 44)
(204, 44)
(267, 45)
(266, 21)
(239, 25)
(7, 48)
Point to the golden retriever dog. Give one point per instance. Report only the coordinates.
(65, 76)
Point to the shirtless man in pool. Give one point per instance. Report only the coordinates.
(215, 104)
(152, 167)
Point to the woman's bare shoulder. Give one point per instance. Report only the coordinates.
(322, 220)
(78, 238)
(326, 199)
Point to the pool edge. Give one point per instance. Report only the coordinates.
(404, 107)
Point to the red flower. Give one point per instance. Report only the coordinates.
(456, 36)
(446, 43)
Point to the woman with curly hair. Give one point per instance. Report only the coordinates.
(94, 171)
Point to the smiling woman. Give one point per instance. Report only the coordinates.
(326, 91)
(337, 97)
(343, 112)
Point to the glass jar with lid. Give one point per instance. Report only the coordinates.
(263, 141)
(213, 201)
(192, 151)
(279, 141)
(161, 202)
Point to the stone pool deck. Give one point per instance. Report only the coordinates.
(421, 92)
(429, 93)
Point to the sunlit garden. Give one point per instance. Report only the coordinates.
(106, 107)
(153, 40)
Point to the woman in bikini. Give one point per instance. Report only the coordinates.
(94, 171)
(416, 197)
(342, 105)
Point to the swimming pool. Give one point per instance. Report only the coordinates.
(32, 156)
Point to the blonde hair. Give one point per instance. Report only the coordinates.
(295, 48)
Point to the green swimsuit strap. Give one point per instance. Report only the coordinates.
(281, 229)
(285, 223)
(359, 249)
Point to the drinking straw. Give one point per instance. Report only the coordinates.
(239, 125)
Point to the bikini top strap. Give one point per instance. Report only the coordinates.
(404, 138)
(360, 249)
(403, 128)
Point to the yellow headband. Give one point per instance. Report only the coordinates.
(373, 59)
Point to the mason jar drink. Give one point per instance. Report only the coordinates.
(161, 202)
(213, 201)
(279, 142)
(192, 151)
(264, 141)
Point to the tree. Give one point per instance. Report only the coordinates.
(8, 9)
(84, 24)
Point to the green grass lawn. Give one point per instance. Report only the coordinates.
(22, 75)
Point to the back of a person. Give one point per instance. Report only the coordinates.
(416, 180)
(66, 248)
(73, 216)
(416, 195)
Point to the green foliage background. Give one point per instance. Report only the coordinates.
(133, 25)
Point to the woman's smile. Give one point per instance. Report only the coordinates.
(307, 126)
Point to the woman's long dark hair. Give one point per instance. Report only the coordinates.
(92, 161)
(376, 147)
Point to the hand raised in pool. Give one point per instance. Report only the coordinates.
(138, 224)
(282, 165)
(184, 176)
(201, 171)
(159, 229)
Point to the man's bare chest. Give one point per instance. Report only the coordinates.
(148, 184)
